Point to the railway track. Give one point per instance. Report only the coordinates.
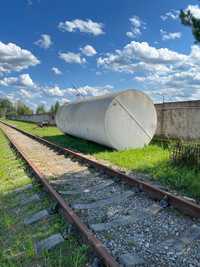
(126, 221)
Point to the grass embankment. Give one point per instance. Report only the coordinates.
(17, 240)
(153, 159)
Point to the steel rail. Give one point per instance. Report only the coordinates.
(67, 212)
(183, 205)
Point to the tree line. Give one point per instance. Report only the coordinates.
(7, 107)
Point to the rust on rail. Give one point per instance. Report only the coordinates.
(67, 212)
(181, 204)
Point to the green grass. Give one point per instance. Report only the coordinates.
(16, 240)
(153, 159)
(53, 134)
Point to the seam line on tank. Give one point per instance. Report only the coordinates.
(132, 116)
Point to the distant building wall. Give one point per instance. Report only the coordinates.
(175, 119)
(37, 118)
(179, 119)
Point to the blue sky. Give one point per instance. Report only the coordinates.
(49, 48)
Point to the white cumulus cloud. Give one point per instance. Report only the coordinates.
(76, 93)
(55, 91)
(86, 26)
(88, 51)
(172, 14)
(25, 93)
(23, 80)
(137, 56)
(86, 91)
(49, 94)
(70, 57)
(45, 41)
(56, 71)
(137, 25)
(194, 10)
(170, 35)
(14, 58)
(159, 71)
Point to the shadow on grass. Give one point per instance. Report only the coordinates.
(184, 179)
(77, 144)
(54, 135)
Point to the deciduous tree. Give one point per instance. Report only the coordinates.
(188, 19)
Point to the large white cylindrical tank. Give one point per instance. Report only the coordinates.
(121, 120)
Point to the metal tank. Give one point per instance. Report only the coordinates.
(121, 120)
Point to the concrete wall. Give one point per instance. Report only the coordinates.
(179, 119)
(37, 118)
